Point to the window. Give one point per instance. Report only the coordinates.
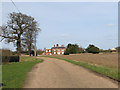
(62, 52)
(62, 49)
(49, 50)
(46, 50)
(58, 52)
(58, 49)
(54, 52)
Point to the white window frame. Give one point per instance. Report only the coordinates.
(62, 52)
(54, 52)
(58, 53)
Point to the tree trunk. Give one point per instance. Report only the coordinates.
(19, 45)
(29, 50)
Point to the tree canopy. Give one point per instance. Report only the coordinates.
(19, 29)
(73, 49)
(92, 49)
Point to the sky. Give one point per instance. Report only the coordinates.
(81, 23)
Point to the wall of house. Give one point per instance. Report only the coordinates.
(58, 51)
(48, 52)
(55, 51)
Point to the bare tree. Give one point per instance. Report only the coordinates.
(17, 25)
(29, 38)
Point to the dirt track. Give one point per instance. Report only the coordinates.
(54, 73)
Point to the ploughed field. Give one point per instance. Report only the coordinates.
(108, 59)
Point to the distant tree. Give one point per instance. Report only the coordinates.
(90, 46)
(73, 49)
(101, 50)
(17, 25)
(39, 51)
(81, 50)
(66, 52)
(92, 49)
(29, 38)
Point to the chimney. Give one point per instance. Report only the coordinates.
(61, 45)
(54, 45)
(57, 45)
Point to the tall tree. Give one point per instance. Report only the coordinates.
(29, 38)
(17, 25)
(27, 43)
(72, 48)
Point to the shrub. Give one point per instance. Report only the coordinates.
(93, 50)
(66, 53)
(5, 58)
(14, 59)
(10, 59)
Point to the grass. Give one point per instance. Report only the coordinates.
(107, 71)
(108, 60)
(14, 74)
(27, 58)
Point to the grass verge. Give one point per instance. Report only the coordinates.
(107, 71)
(27, 58)
(14, 74)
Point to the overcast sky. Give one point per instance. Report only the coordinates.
(81, 23)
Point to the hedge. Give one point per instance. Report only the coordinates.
(10, 58)
(66, 53)
(5, 58)
(14, 59)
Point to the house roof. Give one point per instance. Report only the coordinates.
(47, 49)
(57, 47)
(113, 49)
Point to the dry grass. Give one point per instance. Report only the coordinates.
(109, 59)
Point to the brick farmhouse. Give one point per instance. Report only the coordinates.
(56, 50)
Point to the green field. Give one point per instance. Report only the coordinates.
(107, 71)
(14, 74)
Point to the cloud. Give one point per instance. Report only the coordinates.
(110, 24)
(65, 35)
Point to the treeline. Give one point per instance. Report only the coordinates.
(74, 49)
(20, 30)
